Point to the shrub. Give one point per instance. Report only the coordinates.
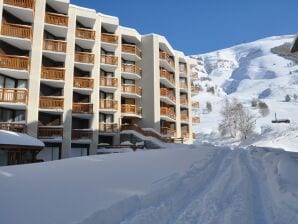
(209, 107)
(264, 109)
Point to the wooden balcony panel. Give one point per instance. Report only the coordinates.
(82, 108)
(108, 104)
(84, 57)
(20, 3)
(56, 19)
(82, 82)
(85, 33)
(53, 103)
(109, 38)
(81, 134)
(131, 49)
(54, 45)
(185, 134)
(14, 62)
(15, 127)
(195, 89)
(167, 75)
(109, 82)
(184, 117)
(13, 96)
(130, 68)
(48, 132)
(53, 73)
(168, 131)
(108, 128)
(131, 109)
(194, 136)
(183, 101)
(165, 111)
(167, 93)
(165, 56)
(182, 70)
(131, 88)
(183, 85)
(195, 105)
(196, 120)
(109, 59)
(16, 30)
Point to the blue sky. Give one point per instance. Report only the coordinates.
(199, 26)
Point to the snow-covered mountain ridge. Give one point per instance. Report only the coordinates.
(248, 71)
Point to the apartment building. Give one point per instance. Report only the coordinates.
(76, 79)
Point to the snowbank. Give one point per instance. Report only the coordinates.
(14, 138)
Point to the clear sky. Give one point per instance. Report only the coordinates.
(199, 26)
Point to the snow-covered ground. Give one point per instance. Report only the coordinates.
(245, 72)
(178, 185)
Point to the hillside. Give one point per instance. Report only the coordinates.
(248, 71)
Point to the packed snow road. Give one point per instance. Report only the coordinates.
(180, 185)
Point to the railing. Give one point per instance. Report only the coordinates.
(13, 96)
(196, 120)
(130, 68)
(194, 136)
(195, 105)
(85, 33)
(195, 89)
(16, 30)
(109, 59)
(54, 45)
(165, 111)
(182, 69)
(82, 108)
(168, 131)
(167, 93)
(109, 82)
(20, 3)
(53, 103)
(84, 57)
(109, 38)
(81, 134)
(131, 49)
(184, 118)
(14, 62)
(167, 75)
(108, 104)
(194, 75)
(131, 109)
(185, 134)
(183, 101)
(131, 88)
(56, 19)
(48, 132)
(165, 56)
(15, 127)
(108, 128)
(183, 85)
(53, 73)
(81, 82)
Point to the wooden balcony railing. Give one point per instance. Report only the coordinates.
(15, 127)
(109, 82)
(131, 109)
(131, 88)
(14, 62)
(185, 134)
(81, 134)
(56, 19)
(196, 120)
(194, 136)
(183, 85)
(184, 118)
(109, 38)
(195, 105)
(130, 68)
(167, 75)
(194, 75)
(54, 45)
(53, 73)
(108, 104)
(183, 101)
(82, 82)
(16, 30)
(182, 69)
(82, 108)
(50, 132)
(168, 93)
(165, 111)
(108, 128)
(85, 33)
(13, 96)
(20, 3)
(168, 131)
(195, 89)
(109, 59)
(84, 57)
(131, 49)
(165, 56)
(53, 103)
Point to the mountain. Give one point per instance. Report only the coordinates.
(259, 70)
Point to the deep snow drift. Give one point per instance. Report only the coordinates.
(179, 185)
(245, 72)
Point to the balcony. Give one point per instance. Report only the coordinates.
(131, 71)
(168, 131)
(183, 102)
(196, 120)
(82, 108)
(109, 105)
(167, 78)
(194, 136)
(15, 127)
(168, 114)
(195, 90)
(56, 19)
(108, 128)
(55, 49)
(50, 132)
(109, 42)
(167, 61)
(81, 134)
(108, 84)
(167, 96)
(51, 103)
(52, 73)
(18, 31)
(194, 75)
(84, 57)
(183, 87)
(13, 96)
(22, 4)
(82, 82)
(195, 105)
(183, 71)
(184, 118)
(131, 91)
(14, 66)
(109, 62)
(85, 34)
(185, 134)
(131, 52)
(131, 110)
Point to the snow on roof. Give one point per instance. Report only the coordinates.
(19, 139)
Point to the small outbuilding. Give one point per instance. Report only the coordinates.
(18, 148)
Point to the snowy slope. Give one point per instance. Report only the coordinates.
(250, 71)
(178, 185)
